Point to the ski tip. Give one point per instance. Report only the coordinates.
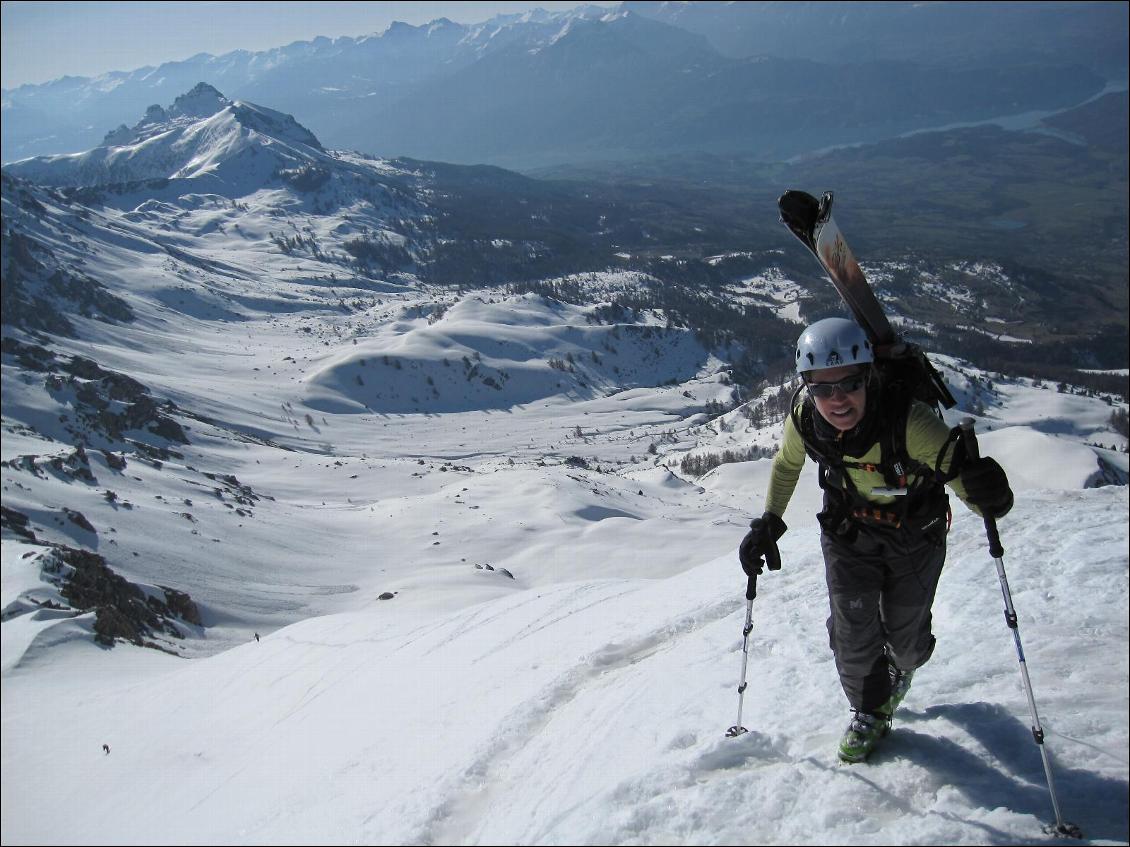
(796, 195)
(798, 205)
(803, 213)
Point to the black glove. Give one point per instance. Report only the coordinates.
(986, 487)
(761, 543)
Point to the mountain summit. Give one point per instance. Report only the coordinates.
(202, 134)
(202, 101)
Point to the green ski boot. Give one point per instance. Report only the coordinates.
(863, 733)
(900, 685)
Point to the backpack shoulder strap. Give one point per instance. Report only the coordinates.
(832, 475)
(802, 412)
(894, 460)
(897, 462)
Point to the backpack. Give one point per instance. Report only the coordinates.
(904, 367)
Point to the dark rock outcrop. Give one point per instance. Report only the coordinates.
(123, 611)
(16, 522)
(104, 401)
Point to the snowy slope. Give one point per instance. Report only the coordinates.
(593, 712)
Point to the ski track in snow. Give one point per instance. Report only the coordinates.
(602, 668)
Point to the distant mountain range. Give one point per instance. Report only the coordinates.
(763, 79)
(920, 208)
(984, 34)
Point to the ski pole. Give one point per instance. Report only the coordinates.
(1060, 827)
(750, 592)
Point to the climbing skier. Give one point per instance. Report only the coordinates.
(883, 459)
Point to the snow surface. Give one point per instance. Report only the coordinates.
(559, 655)
(593, 711)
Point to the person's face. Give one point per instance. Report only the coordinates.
(842, 409)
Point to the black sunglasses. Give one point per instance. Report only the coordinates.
(847, 385)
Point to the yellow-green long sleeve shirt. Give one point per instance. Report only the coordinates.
(926, 435)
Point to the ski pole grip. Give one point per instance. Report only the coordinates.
(751, 588)
(996, 549)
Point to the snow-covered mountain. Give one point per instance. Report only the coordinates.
(267, 268)
(201, 134)
(421, 563)
(324, 79)
(204, 101)
(590, 84)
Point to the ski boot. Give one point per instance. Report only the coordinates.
(863, 733)
(900, 685)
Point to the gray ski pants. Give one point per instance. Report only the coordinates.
(880, 590)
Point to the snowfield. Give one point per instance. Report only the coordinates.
(593, 712)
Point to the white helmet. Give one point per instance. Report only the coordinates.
(831, 343)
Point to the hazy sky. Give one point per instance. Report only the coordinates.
(46, 40)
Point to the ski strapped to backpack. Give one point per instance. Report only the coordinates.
(905, 374)
(810, 220)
